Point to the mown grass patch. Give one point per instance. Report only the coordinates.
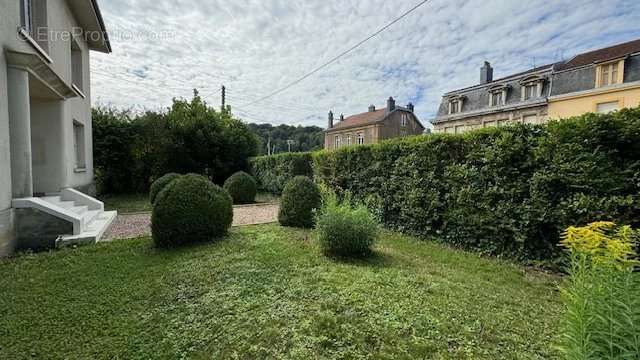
(267, 292)
(134, 203)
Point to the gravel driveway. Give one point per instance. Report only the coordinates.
(128, 226)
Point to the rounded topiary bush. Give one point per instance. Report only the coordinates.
(190, 209)
(343, 230)
(300, 199)
(160, 184)
(242, 188)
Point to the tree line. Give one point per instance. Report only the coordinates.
(132, 150)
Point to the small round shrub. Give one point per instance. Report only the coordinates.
(190, 209)
(160, 184)
(343, 230)
(242, 188)
(300, 199)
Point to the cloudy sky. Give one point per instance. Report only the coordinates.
(164, 48)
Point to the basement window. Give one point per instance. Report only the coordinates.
(79, 146)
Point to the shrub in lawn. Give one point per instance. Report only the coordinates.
(300, 199)
(242, 188)
(345, 230)
(602, 293)
(160, 184)
(190, 209)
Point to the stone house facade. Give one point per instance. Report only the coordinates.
(372, 126)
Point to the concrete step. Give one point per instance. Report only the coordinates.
(93, 232)
(57, 200)
(90, 215)
(80, 210)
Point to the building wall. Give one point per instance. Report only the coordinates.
(390, 128)
(10, 13)
(628, 96)
(78, 109)
(574, 91)
(370, 132)
(535, 115)
(59, 17)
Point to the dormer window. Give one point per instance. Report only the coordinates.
(531, 87)
(498, 95)
(610, 73)
(455, 104)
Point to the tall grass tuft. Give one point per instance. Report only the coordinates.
(602, 294)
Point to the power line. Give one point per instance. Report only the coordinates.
(336, 58)
(139, 81)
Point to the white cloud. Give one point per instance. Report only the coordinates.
(257, 46)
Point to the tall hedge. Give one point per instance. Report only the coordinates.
(273, 172)
(131, 149)
(503, 191)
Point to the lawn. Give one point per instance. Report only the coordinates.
(133, 203)
(267, 292)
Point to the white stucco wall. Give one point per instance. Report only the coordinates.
(8, 23)
(52, 121)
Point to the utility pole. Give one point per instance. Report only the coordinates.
(224, 97)
(269, 146)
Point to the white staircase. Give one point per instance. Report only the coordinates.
(87, 215)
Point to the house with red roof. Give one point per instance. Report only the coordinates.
(372, 126)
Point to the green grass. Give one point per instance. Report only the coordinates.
(267, 292)
(133, 203)
(127, 203)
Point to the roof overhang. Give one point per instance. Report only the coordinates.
(88, 15)
(41, 71)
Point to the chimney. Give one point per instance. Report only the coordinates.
(391, 104)
(410, 107)
(372, 108)
(341, 117)
(330, 119)
(486, 73)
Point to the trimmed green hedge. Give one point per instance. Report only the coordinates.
(273, 172)
(300, 200)
(190, 209)
(160, 184)
(242, 188)
(503, 191)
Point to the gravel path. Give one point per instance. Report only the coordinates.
(128, 226)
